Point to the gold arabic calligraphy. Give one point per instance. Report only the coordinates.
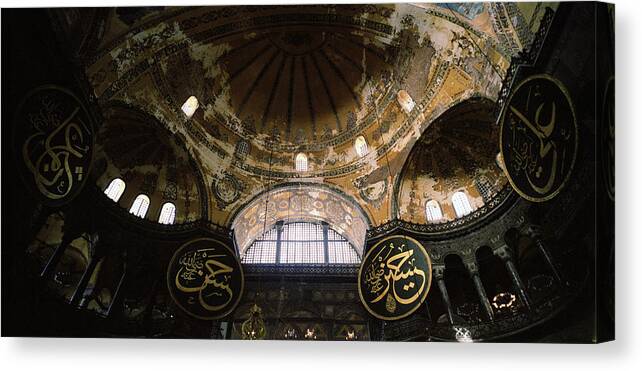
(386, 276)
(200, 272)
(538, 145)
(53, 169)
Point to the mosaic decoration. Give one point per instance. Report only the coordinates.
(539, 137)
(226, 189)
(54, 140)
(205, 279)
(395, 278)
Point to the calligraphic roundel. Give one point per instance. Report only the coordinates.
(205, 279)
(539, 137)
(54, 139)
(395, 277)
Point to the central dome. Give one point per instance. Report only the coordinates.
(296, 87)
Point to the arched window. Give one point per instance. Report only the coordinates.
(361, 146)
(115, 189)
(167, 214)
(301, 162)
(140, 206)
(301, 243)
(190, 106)
(242, 149)
(433, 211)
(461, 204)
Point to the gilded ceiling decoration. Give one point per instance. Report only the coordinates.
(275, 81)
(458, 152)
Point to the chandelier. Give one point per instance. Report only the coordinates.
(254, 327)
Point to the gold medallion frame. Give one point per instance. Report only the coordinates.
(562, 88)
(170, 280)
(429, 281)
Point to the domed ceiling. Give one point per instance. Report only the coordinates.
(273, 81)
(458, 152)
(132, 146)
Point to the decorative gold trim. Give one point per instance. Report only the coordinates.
(429, 282)
(501, 131)
(170, 279)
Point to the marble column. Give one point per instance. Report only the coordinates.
(94, 258)
(479, 287)
(505, 255)
(535, 233)
(438, 275)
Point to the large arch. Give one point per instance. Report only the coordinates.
(301, 202)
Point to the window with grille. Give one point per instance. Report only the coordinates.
(461, 204)
(433, 211)
(140, 206)
(301, 162)
(484, 187)
(115, 189)
(167, 214)
(301, 243)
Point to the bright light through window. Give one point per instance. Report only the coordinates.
(140, 206)
(115, 189)
(301, 243)
(167, 214)
(361, 146)
(301, 162)
(461, 204)
(190, 106)
(433, 211)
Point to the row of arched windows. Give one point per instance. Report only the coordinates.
(360, 146)
(460, 204)
(140, 206)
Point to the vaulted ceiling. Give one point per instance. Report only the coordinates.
(273, 81)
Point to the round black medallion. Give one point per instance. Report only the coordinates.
(395, 277)
(205, 279)
(54, 143)
(539, 138)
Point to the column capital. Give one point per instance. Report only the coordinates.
(531, 230)
(438, 271)
(503, 252)
(472, 267)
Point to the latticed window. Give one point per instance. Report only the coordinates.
(301, 162)
(115, 189)
(361, 146)
(484, 187)
(140, 206)
(433, 211)
(167, 214)
(301, 243)
(461, 204)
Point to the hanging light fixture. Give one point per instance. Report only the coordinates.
(253, 328)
